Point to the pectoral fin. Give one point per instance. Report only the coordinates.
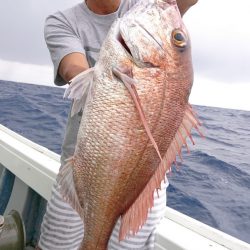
(130, 84)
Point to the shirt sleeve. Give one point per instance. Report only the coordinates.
(61, 40)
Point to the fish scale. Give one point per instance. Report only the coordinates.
(135, 121)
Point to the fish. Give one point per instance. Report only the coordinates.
(135, 121)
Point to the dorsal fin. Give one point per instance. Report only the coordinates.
(79, 88)
(137, 214)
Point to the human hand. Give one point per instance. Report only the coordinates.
(184, 5)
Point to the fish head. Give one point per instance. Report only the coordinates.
(154, 35)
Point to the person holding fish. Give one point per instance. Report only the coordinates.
(101, 199)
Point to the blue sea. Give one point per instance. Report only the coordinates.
(211, 185)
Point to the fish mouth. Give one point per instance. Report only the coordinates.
(123, 43)
(133, 56)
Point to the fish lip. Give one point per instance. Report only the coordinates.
(140, 63)
(119, 38)
(123, 44)
(127, 50)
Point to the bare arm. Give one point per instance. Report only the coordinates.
(71, 65)
(184, 5)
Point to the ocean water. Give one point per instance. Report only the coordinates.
(212, 184)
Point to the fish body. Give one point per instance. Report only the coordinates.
(116, 167)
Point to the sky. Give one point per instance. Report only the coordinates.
(219, 31)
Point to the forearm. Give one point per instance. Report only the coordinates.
(71, 71)
(184, 5)
(72, 65)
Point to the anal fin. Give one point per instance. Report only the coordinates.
(66, 185)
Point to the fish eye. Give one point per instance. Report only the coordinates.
(179, 38)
